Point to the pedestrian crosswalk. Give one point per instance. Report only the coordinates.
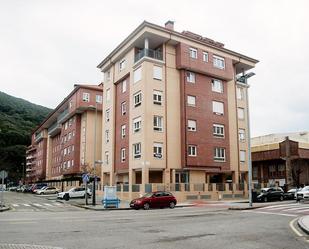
(17, 206)
(290, 209)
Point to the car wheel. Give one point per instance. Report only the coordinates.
(146, 206)
(172, 204)
(41, 193)
(56, 192)
(265, 199)
(281, 198)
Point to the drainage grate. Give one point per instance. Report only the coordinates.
(25, 246)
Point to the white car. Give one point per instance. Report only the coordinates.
(303, 194)
(47, 191)
(39, 189)
(78, 192)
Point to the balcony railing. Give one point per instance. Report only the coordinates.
(63, 115)
(54, 128)
(38, 136)
(155, 54)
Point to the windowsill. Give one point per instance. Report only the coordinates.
(219, 161)
(157, 130)
(192, 130)
(219, 136)
(192, 155)
(191, 105)
(218, 114)
(157, 79)
(157, 103)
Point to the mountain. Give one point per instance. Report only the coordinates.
(18, 118)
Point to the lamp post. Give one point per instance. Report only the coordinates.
(244, 79)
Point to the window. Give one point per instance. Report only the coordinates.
(137, 150)
(255, 171)
(69, 164)
(157, 123)
(137, 98)
(123, 154)
(106, 136)
(124, 86)
(190, 77)
(241, 113)
(191, 125)
(158, 150)
(107, 112)
(137, 123)
(272, 171)
(108, 75)
(218, 130)
(108, 95)
(65, 151)
(123, 108)
(193, 53)
(242, 156)
(86, 97)
(217, 107)
(70, 104)
(217, 86)
(191, 100)
(205, 56)
(98, 98)
(137, 75)
(122, 65)
(192, 150)
(70, 122)
(157, 73)
(242, 135)
(69, 136)
(219, 154)
(157, 97)
(218, 62)
(66, 125)
(240, 93)
(123, 131)
(106, 157)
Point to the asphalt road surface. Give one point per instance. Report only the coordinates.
(195, 227)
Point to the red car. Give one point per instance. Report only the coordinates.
(159, 199)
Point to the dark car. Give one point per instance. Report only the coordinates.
(159, 199)
(270, 194)
(291, 194)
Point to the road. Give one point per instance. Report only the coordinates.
(195, 227)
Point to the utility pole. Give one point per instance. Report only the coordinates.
(94, 154)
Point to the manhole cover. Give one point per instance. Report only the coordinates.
(24, 246)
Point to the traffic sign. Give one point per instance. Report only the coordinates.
(3, 174)
(85, 177)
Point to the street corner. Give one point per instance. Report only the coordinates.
(303, 223)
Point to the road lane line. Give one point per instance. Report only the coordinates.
(37, 204)
(261, 212)
(280, 206)
(15, 205)
(47, 204)
(27, 205)
(293, 228)
(292, 209)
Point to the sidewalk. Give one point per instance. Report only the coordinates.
(303, 223)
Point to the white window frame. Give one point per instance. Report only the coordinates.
(241, 113)
(242, 134)
(137, 124)
(123, 155)
(219, 154)
(242, 156)
(123, 131)
(137, 75)
(86, 97)
(157, 72)
(193, 53)
(191, 125)
(192, 150)
(122, 64)
(218, 107)
(123, 108)
(108, 76)
(158, 150)
(99, 98)
(137, 99)
(218, 62)
(157, 97)
(124, 86)
(157, 123)
(137, 150)
(218, 130)
(205, 56)
(189, 98)
(217, 86)
(190, 77)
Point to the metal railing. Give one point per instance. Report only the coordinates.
(155, 54)
(62, 115)
(54, 127)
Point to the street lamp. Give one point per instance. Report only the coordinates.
(244, 79)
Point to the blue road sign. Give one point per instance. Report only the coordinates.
(85, 177)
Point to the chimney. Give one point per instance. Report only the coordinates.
(169, 25)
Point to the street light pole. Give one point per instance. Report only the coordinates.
(94, 155)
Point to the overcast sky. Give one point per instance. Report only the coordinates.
(46, 46)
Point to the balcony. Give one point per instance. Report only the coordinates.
(38, 137)
(62, 116)
(150, 53)
(54, 129)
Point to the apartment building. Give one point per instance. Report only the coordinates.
(63, 145)
(281, 159)
(174, 111)
(30, 163)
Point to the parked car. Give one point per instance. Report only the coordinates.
(77, 192)
(270, 194)
(157, 199)
(291, 194)
(303, 194)
(47, 191)
(35, 191)
(13, 188)
(37, 186)
(19, 188)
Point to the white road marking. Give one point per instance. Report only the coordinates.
(26, 205)
(261, 212)
(299, 211)
(47, 204)
(37, 204)
(280, 206)
(15, 205)
(57, 204)
(294, 229)
(292, 209)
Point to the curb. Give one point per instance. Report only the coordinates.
(302, 225)
(243, 208)
(4, 209)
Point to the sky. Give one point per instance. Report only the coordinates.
(47, 46)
